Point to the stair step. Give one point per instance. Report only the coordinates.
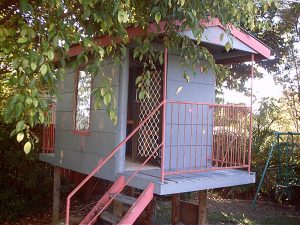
(109, 217)
(124, 199)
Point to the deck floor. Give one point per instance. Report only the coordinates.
(180, 183)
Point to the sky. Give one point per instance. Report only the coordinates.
(264, 87)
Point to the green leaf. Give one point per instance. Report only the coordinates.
(25, 6)
(102, 92)
(23, 32)
(50, 55)
(222, 37)
(186, 77)
(228, 46)
(249, 5)
(13, 133)
(157, 17)
(41, 117)
(138, 80)
(22, 40)
(122, 16)
(27, 147)
(107, 99)
(35, 102)
(20, 136)
(44, 69)
(33, 66)
(25, 62)
(20, 125)
(142, 94)
(28, 101)
(181, 2)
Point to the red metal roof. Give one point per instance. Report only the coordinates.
(263, 51)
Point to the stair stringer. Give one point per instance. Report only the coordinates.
(118, 186)
(138, 207)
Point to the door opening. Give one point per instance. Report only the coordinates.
(148, 138)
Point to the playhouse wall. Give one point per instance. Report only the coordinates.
(188, 136)
(80, 152)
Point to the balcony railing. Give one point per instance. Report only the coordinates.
(198, 137)
(203, 137)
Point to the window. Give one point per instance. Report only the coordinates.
(83, 101)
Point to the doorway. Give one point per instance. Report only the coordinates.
(148, 138)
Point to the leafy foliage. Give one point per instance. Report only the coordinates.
(25, 182)
(36, 36)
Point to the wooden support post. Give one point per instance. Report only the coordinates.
(175, 209)
(202, 197)
(150, 212)
(56, 194)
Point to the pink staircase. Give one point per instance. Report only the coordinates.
(137, 205)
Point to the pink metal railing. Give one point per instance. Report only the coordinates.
(49, 133)
(202, 137)
(126, 183)
(102, 162)
(196, 137)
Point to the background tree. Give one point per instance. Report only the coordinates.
(35, 37)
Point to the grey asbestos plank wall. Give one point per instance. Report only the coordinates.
(82, 152)
(188, 133)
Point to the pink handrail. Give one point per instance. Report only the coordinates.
(104, 161)
(127, 182)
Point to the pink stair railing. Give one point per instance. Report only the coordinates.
(91, 218)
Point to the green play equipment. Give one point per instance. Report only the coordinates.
(285, 155)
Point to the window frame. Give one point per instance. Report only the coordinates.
(86, 132)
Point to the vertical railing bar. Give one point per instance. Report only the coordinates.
(197, 114)
(222, 109)
(217, 124)
(202, 125)
(226, 135)
(171, 133)
(206, 149)
(184, 135)
(191, 109)
(178, 122)
(230, 135)
(239, 144)
(242, 138)
(245, 140)
(164, 114)
(236, 115)
(213, 136)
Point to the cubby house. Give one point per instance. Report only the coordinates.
(176, 140)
